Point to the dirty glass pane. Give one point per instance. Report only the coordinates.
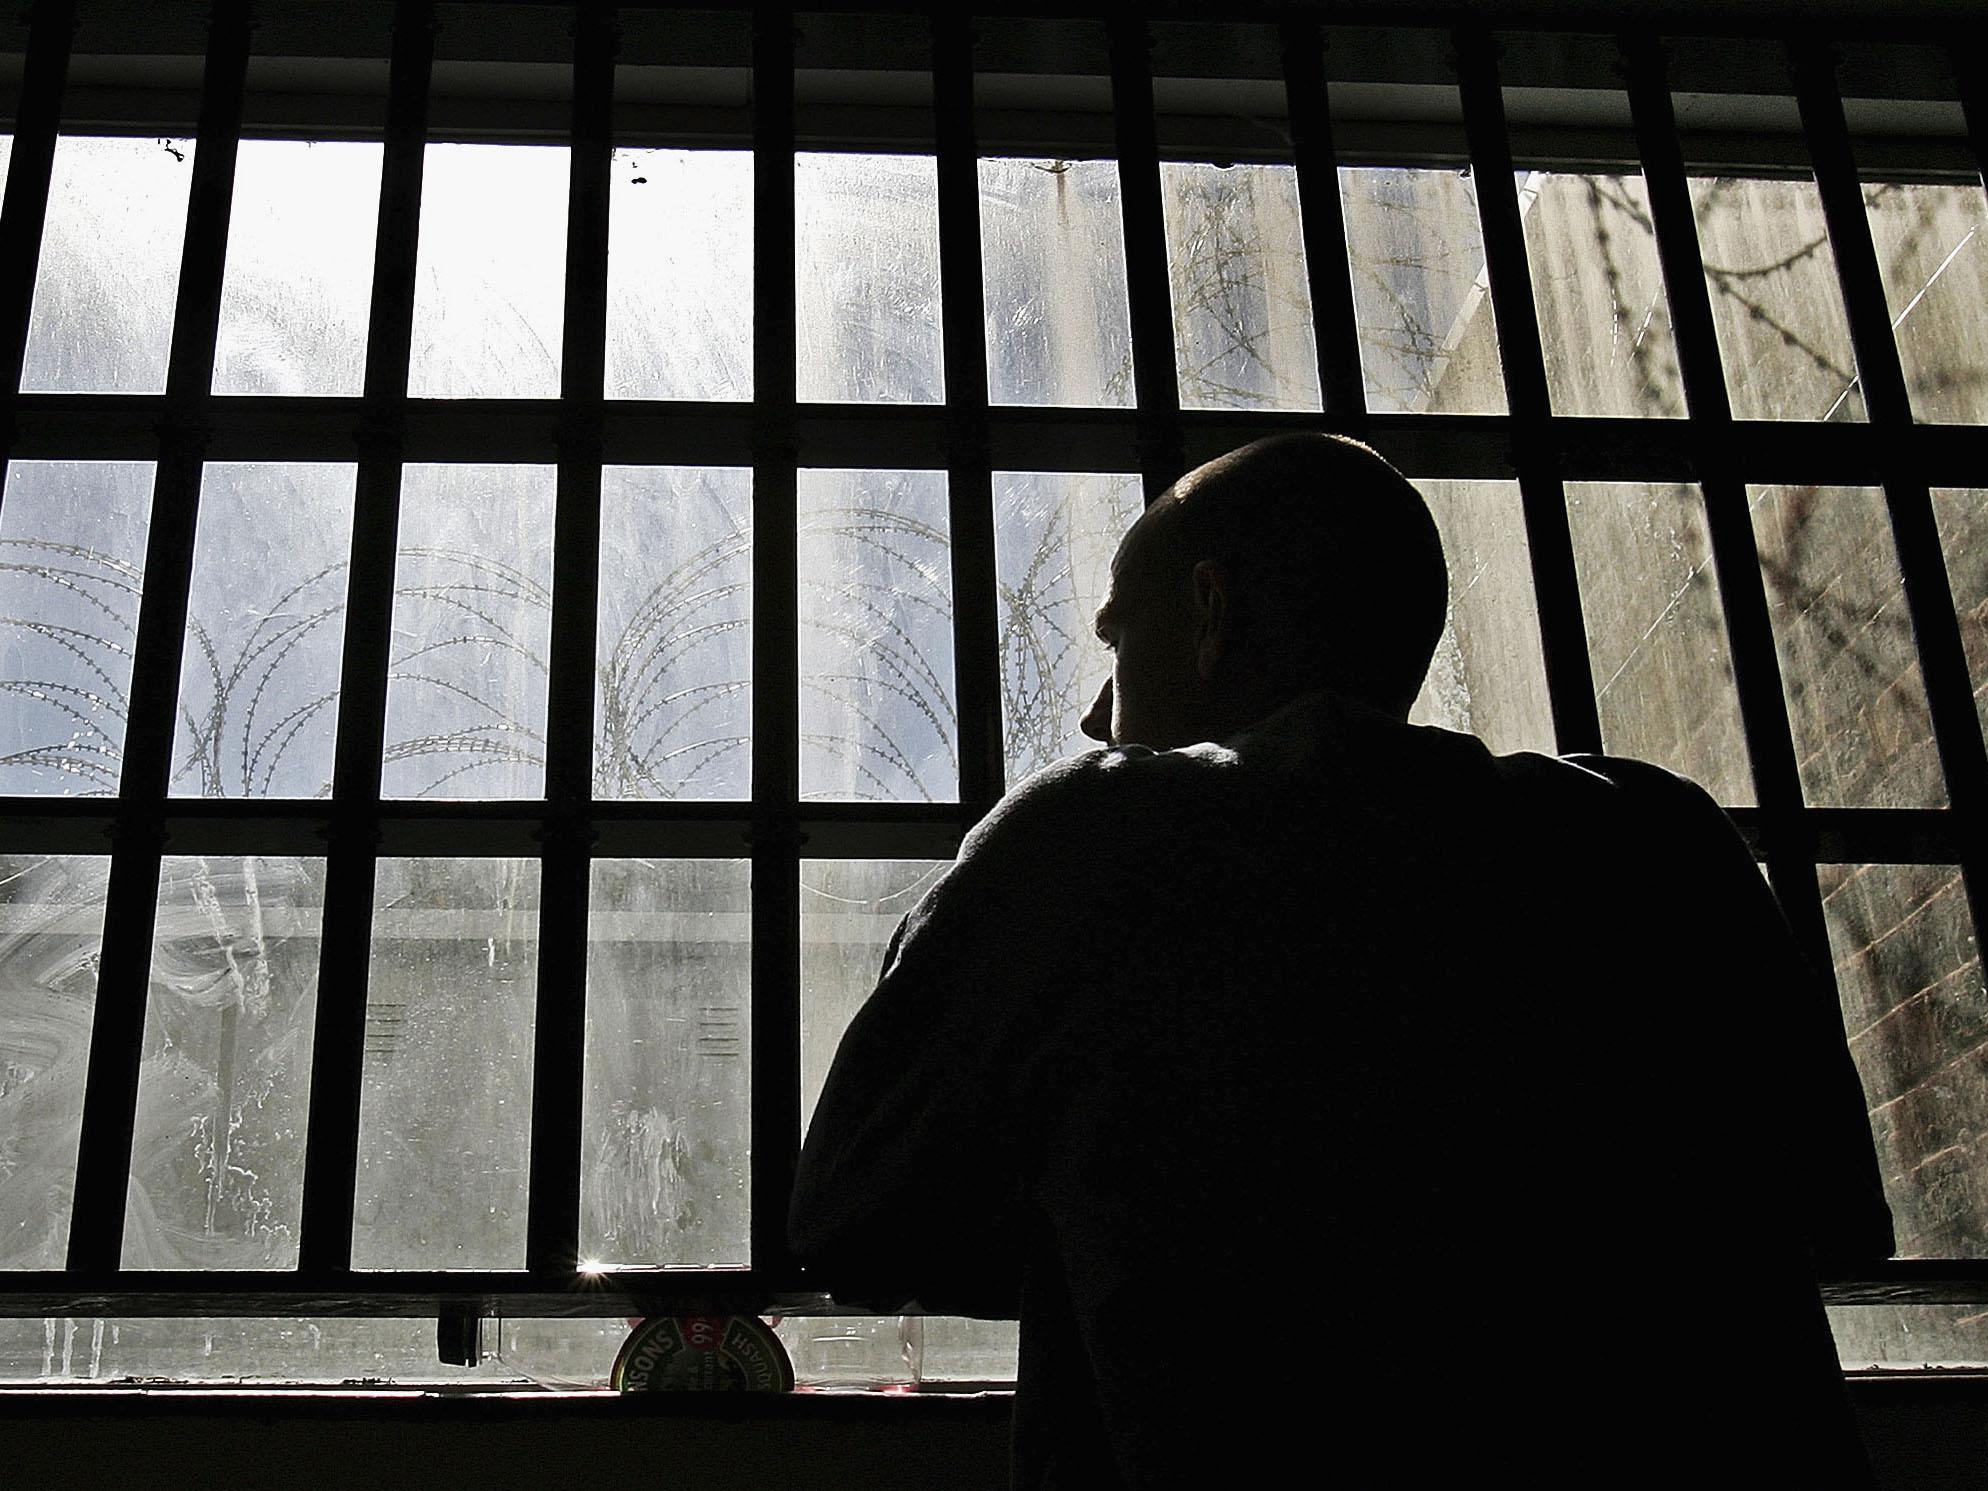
(959, 1350)
(1488, 677)
(51, 937)
(866, 279)
(679, 275)
(490, 286)
(1962, 516)
(445, 1110)
(878, 720)
(1856, 698)
(1054, 536)
(72, 553)
(1870, 1337)
(1242, 306)
(472, 620)
(1657, 633)
(1604, 323)
(217, 1159)
(104, 292)
(1428, 339)
(850, 909)
(1052, 255)
(258, 693)
(1776, 301)
(325, 1349)
(299, 281)
(1932, 244)
(665, 1178)
(673, 710)
(1908, 968)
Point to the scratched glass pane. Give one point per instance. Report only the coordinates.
(1656, 632)
(866, 279)
(665, 1178)
(1776, 301)
(878, 721)
(299, 281)
(1488, 677)
(1421, 291)
(1932, 244)
(109, 272)
(445, 1108)
(850, 909)
(1871, 1336)
(489, 290)
(673, 648)
(224, 1086)
(72, 554)
(258, 693)
(333, 1350)
(1962, 516)
(472, 619)
(1052, 255)
(1604, 323)
(679, 275)
(1054, 536)
(1242, 305)
(51, 937)
(1908, 968)
(1856, 697)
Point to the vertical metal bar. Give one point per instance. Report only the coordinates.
(976, 622)
(331, 1159)
(776, 685)
(1928, 593)
(44, 76)
(1327, 266)
(1154, 372)
(1556, 585)
(559, 1057)
(103, 1159)
(1728, 516)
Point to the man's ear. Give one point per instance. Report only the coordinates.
(1213, 616)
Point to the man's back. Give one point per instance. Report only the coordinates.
(1347, 1090)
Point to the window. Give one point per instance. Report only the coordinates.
(526, 543)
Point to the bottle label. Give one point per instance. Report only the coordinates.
(703, 1353)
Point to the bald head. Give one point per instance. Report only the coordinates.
(1295, 563)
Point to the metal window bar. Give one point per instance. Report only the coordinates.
(103, 1157)
(1562, 629)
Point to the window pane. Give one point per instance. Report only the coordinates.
(104, 292)
(72, 556)
(472, 624)
(673, 710)
(666, 1177)
(1932, 244)
(1657, 633)
(489, 294)
(299, 281)
(1604, 324)
(679, 275)
(1776, 300)
(51, 938)
(1909, 972)
(445, 1111)
(1428, 339)
(327, 1349)
(1856, 698)
(217, 1158)
(1054, 537)
(1962, 515)
(850, 909)
(258, 694)
(1488, 677)
(1052, 255)
(877, 715)
(866, 279)
(1242, 307)
(1910, 1336)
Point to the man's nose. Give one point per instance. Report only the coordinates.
(1096, 722)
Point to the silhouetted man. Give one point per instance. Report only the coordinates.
(1337, 1102)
